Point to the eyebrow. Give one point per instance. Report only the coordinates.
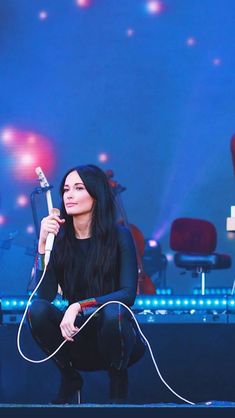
(75, 184)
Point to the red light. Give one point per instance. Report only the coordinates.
(2, 220)
(155, 6)
(28, 150)
(83, 3)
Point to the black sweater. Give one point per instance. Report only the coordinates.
(126, 286)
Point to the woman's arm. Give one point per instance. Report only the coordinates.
(49, 286)
(128, 273)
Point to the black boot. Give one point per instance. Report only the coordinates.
(70, 387)
(118, 388)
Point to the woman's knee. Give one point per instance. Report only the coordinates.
(114, 314)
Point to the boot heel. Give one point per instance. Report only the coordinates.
(70, 389)
(118, 389)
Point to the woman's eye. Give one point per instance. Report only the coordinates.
(79, 188)
(66, 190)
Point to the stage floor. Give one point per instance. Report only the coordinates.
(212, 410)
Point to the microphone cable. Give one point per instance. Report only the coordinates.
(83, 325)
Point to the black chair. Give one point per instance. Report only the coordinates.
(195, 241)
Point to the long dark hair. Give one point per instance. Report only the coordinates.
(101, 263)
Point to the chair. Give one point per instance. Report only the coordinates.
(195, 241)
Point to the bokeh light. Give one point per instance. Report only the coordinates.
(130, 32)
(170, 257)
(27, 150)
(191, 41)
(216, 61)
(152, 243)
(83, 3)
(22, 200)
(7, 136)
(42, 15)
(154, 6)
(2, 219)
(30, 229)
(103, 157)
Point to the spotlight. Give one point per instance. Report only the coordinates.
(154, 262)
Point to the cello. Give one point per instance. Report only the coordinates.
(145, 284)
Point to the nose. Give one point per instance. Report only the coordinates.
(69, 195)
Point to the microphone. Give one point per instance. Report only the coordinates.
(50, 239)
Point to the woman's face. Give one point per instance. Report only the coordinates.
(77, 200)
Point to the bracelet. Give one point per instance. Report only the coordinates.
(86, 303)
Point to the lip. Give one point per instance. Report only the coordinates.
(69, 205)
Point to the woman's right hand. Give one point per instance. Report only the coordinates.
(50, 223)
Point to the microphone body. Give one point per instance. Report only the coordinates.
(50, 239)
(48, 247)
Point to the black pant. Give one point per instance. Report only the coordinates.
(110, 339)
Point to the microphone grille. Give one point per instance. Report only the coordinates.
(55, 211)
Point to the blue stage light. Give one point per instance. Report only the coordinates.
(167, 291)
(143, 302)
(213, 291)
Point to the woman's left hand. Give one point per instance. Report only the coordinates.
(67, 326)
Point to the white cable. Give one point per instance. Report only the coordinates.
(83, 325)
(22, 321)
(232, 291)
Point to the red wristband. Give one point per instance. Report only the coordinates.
(87, 303)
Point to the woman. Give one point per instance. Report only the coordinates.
(93, 261)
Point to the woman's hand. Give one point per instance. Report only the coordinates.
(50, 223)
(67, 324)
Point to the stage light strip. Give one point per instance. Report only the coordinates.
(167, 302)
(166, 291)
(10, 304)
(185, 303)
(213, 291)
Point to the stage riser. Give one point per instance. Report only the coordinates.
(117, 412)
(197, 360)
